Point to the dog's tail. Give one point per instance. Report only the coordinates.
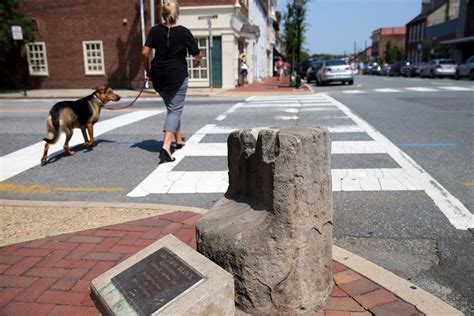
(53, 127)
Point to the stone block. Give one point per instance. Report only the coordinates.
(212, 295)
(273, 228)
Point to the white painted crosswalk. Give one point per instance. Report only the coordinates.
(409, 176)
(168, 178)
(411, 89)
(29, 157)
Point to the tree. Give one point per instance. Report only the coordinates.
(398, 53)
(388, 53)
(290, 35)
(10, 15)
(426, 51)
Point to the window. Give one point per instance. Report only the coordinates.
(93, 57)
(202, 72)
(37, 62)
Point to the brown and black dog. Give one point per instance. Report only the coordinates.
(83, 113)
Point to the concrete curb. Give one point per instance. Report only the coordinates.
(407, 291)
(166, 208)
(22, 221)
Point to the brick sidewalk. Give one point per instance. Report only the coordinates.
(51, 276)
(270, 85)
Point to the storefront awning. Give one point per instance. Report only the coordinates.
(245, 28)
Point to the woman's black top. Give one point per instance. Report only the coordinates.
(169, 67)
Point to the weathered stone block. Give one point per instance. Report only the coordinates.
(273, 228)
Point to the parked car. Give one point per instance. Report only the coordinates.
(439, 68)
(334, 71)
(304, 68)
(311, 72)
(385, 70)
(406, 69)
(415, 68)
(396, 69)
(367, 70)
(466, 69)
(375, 69)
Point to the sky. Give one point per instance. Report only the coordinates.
(334, 25)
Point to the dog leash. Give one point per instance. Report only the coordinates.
(131, 103)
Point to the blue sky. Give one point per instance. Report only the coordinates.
(334, 25)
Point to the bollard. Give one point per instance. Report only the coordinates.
(273, 228)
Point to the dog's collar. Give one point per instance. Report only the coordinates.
(99, 100)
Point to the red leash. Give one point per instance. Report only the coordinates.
(131, 103)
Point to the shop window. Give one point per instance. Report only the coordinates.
(201, 72)
(37, 61)
(93, 57)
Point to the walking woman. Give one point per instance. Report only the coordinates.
(169, 71)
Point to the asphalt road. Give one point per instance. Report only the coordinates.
(408, 231)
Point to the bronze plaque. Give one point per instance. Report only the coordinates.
(155, 280)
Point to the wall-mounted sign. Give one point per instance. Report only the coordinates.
(17, 33)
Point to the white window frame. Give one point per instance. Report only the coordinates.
(36, 56)
(100, 63)
(205, 61)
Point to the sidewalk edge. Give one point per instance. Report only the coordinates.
(167, 208)
(424, 301)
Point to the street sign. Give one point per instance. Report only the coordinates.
(17, 33)
(207, 17)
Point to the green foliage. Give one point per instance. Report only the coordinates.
(290, 35)
(393, 53)
(426, 53)
(398, 53)
(10, 15)
(304, 55)
(388, 53)
(325, 57)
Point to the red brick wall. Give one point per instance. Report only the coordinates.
(63, 25)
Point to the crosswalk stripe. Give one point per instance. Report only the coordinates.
(387, 90)
(338, 147)
(421, 89)
(348, 180)
(353, 91)
(29, 157)
(457, 88)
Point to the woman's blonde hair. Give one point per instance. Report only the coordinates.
(170, 11)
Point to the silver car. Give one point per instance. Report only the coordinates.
(439, 68)
(334, 71)
(466, 69)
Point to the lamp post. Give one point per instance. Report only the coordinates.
(298, 6)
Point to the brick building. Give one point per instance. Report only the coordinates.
(83, 43)
(381, 36)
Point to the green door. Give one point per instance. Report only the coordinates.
(217, 62)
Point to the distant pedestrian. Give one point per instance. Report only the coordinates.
(244, 69)
(169, 71)
(280, 68)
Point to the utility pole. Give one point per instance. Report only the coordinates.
(17, 35)
(209, 61)
(298, 6)
(355, 48)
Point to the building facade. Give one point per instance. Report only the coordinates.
(381, 36)
(415, 36)
(447, 26)
(81, 44)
